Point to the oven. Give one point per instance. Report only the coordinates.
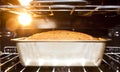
(99, 18)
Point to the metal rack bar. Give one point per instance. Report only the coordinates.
(112, 58)
(10, 49)
(53, 70)
(113, 53)
(38, 69)
(61, 7)
(112, 46)
(23, 69)
(84, 69)
(5, 56)
(7, 70)
(11, 6)
(117, 55)
(8, 61)
(69, 70)
(99, 69)
(107, 63)
(116, 69)
(51, 1)
(51, 12)
(80, 8)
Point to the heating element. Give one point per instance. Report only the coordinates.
(10, 63)
(50, 7)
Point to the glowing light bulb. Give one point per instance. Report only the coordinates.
(24, 19)
(25, 2)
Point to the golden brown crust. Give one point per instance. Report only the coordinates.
(61, 35)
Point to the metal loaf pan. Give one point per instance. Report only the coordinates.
(60, 53)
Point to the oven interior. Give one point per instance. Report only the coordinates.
(99, 18)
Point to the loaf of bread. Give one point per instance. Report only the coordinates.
(61, 35)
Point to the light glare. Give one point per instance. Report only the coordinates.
(24, 19)
(41, 61)
(83, 61)
(25, 2)
(28, 61)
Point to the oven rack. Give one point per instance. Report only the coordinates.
(37, 7)
(110, 63)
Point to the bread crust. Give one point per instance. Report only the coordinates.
(61, 35)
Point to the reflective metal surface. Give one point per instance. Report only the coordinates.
(110, 63)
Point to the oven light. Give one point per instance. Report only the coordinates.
(25, 2)
(24, 19)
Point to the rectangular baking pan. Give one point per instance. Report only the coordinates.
(60, 53)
